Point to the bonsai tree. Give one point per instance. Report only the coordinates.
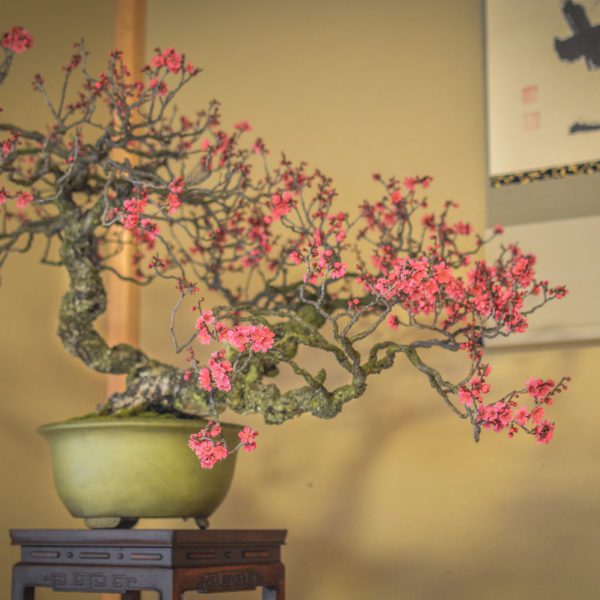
(286, 269)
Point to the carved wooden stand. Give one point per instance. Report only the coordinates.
(168, 561)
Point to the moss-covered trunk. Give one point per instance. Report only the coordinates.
(151, 385)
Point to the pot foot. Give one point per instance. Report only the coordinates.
(202, 523)
(110, 522)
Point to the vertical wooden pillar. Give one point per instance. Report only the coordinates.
(124, 298)
(123, 312)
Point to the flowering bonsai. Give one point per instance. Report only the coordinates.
(285, 268)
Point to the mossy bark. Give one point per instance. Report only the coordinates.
(151, 385)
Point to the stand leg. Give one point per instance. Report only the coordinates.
(276, 592)
(21, 589)
(131, 595)
(20, 592)
(170, 589)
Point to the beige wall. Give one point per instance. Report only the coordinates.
(392, 499)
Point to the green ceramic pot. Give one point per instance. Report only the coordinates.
(111, 471)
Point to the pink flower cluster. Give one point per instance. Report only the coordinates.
(24, 199)
(247, 438)
(9, 144)
(17, 40)
(412, 283)
(133, 209)
(216, 375)
(326, 261)
(143, 229)
(410, 183)
(502, 415)
(477, 388)
(175, 191)
(427, 284)
(243, 126)
(540, 389)
(210, 447)
(172, 62)
(282, 205)
(205, 319)
(207, 448)
(258, 338)
(170, 58)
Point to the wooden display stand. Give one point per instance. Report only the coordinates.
(169, 561)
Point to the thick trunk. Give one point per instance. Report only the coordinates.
(151, 386)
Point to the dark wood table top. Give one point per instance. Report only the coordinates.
(145, 537)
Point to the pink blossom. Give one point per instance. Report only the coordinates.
(338, 271)
(239, 336)
(497, 416)
(442, 273)
(243, 126)
(206, 317)
(540, 390)
(247, 438)
(465, 396)
(175, 191)
(24, 199)
(212, 430)
(204, 336)
(172, 60)
(157, 61)
(17, 40)
(149, 231)
(208, 451)
(219, 369)
(185, 123)
(296, 257)
(544, 432)
(393, 321)
(9, 144)
(159, 86)
(477, 387)
(537, 414)
(409, 183)
(396, 197)
(204, 379)
(521, 415)
(133, 208)
(463, 228)
(262, 339)
(282, 205)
